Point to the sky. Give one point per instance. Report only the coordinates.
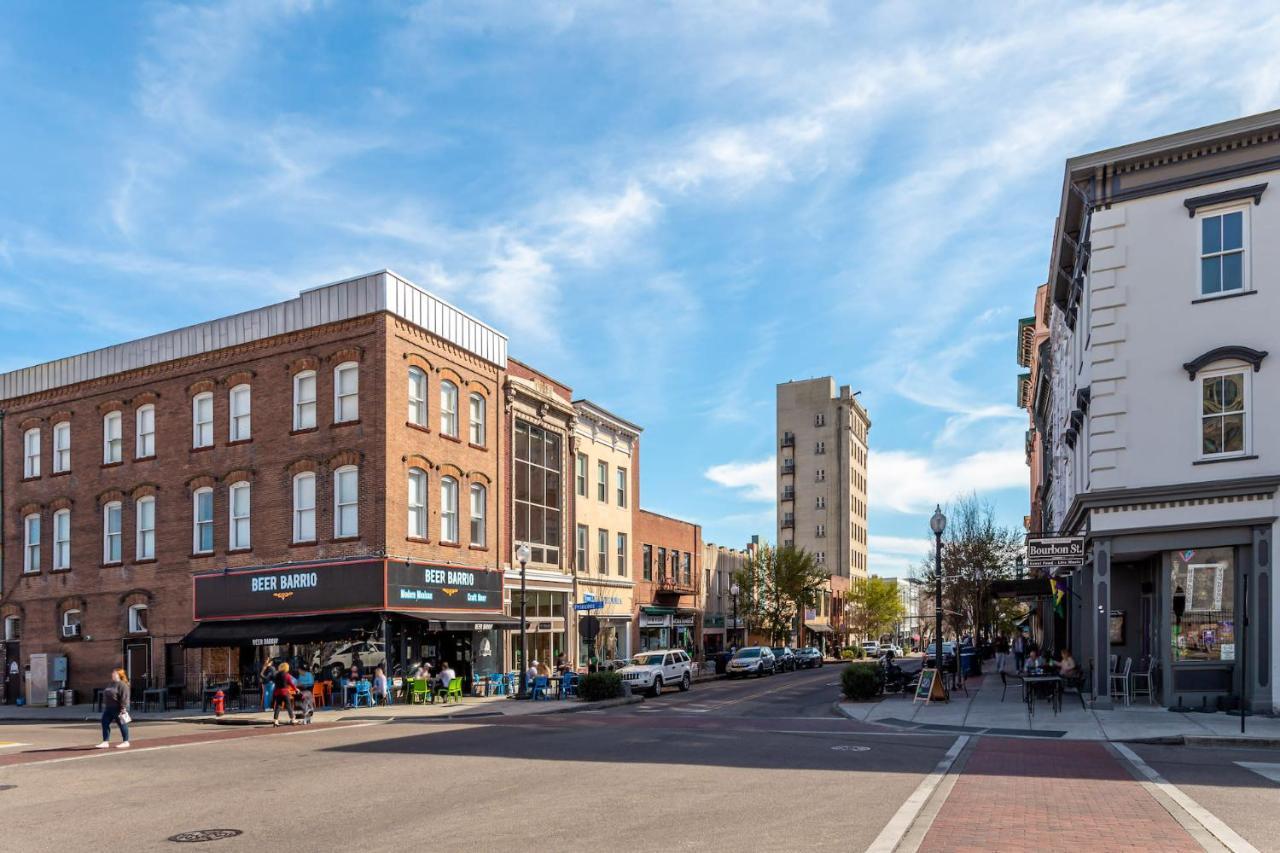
(671, 207)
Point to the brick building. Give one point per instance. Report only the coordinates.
(667, 592)
(320, 470)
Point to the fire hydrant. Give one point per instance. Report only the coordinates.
(219, 704)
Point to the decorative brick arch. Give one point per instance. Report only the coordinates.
(136, 596)
(479, 477)
(58, 417)
(343, 457)
(478, 387)
(13, 608)
(305, 362)
(240, 377)
(30, 508)
(110, 495)
(417, 460)
(453, 376)
(203, 480)
(61, 502)
(239, 475)
(299, 466)
(146, 397)
(70, 602)
(201, 386)
(144, 490)
(108, 406)
(449, 469)
(417, 359)
(345, 354)
(30, 423)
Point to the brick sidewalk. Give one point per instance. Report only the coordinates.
(1018, 795)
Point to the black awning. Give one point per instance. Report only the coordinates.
(1027, 588)
(819, 628)
(460, 622)
(284, 629)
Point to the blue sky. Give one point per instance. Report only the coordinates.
(670, 206)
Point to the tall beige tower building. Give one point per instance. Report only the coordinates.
(822, 492)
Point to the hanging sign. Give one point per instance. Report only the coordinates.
(1047, 551)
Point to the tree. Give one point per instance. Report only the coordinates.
(783, 583)
(875, 607)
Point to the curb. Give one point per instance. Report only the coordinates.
(583, 706)
(1229, 741)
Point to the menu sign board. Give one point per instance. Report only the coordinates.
(290, 590)
(427, 587)
(1047, 551)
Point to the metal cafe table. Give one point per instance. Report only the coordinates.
(1031, 682)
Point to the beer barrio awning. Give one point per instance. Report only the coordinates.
(270, 632)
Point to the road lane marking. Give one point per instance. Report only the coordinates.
(1199, 813)
(1263, 769)
(9, 744)
(889, 838)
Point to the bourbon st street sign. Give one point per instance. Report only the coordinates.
(1047, 551)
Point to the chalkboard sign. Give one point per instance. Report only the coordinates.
(930, 687)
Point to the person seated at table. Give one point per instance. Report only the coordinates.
(423, 670)
(442, 680)
(380, 691)
(1033, 662)
(530, 674)
(306, 679)
(543, 669)
(1068, 666)
(354, 673)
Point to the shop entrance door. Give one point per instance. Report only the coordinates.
(137, 665)
(455, 647)
(12, 672)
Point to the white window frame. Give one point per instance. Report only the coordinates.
(820, 531)
(478, 420)
(197, 523)
(819, 419)
(62, 540)
(580, 547)
(352, 395)
(304, 507)
(1218, 373)
(234, 540)
(31, 453)
(240, 413)
(12, 628)
(820, 502)
(67, 622)
(602, 481)
(112, 540)
(346, 507)
(620, 485)
(417, 391)
(31, 543)
(145, 540)
(137, 621)
(1222, 210)
(602, 551)
(448, 510)
(202, 424)
(112, 438)
(621, 553)
(479, 514)
(61, 447)
(820, 475)
(417, 521)
(144, 432)
(304, 400)
(581, 482)
(448, 408)
(819, 447)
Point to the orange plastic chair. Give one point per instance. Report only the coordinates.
(317, 693)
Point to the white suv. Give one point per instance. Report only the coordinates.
(650, 671)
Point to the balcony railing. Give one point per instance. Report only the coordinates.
(789, 493)
(788, 439)
(788, 466)
(670, 583)
(788, 520)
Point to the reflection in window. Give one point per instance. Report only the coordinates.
(1222, 414)
(1203, 583)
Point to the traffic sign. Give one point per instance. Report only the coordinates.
(589, 627)
(589, 605)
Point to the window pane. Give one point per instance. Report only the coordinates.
(1212, 395)
(1233, 434)
(522, 441)
(1203, 602)
(522, 480)
(537, 523)
(535, 447)
(522, 522)
(1210, 275)
(553, 528)
(1212, 436)
(538, 485)
(1232, 231)
(1233, 393)
(1210, 234)
(1233, 271)
(553, 452)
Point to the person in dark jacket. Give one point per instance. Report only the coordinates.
(282, 696)
(115, 709)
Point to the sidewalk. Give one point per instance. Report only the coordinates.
(983, 712)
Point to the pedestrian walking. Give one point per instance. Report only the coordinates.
(1002, 651)
(115, 709)
(267, 678)
(282, 695)
(1019, 651)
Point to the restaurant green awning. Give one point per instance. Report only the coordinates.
(658, 611)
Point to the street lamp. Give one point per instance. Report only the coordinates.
(734, 590)
(938, 524)
(522, 556)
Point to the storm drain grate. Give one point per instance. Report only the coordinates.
(206, 835)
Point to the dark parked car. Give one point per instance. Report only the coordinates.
(785, 657)
(808, 658)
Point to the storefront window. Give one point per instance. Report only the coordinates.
(1203, 618)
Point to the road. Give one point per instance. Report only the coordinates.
(742, 766)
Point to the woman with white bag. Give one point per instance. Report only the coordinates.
(115, 709)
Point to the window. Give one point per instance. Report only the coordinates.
(449, 408)
(304, 400)
(346, 496)
(202, 525)
(477, 420)
(31, 543)
(820, 557)
(71, 623)
(304, 507)
(820, 475)
(417, 503)
(12, 629)
(1222, 245)
(1203, 602)
(821, 502)
(662, 563)
(61, 447)
(112, 444)
(622, 555)
(62, 539)
(448, 509)
(602, 481)
(537, 492)
(820, 531)
(820, 419)
(621, 478)
(479, 497)
(138, 619)
(820, 447)
(646, 562)
(580, 472)
(1223, 414)
(31, 453)
(240, 405)
(687, 569)
(239, 505)
(417, 396)
(144, 510)
(583, 533)
(202, 420)
(144, 421)
(111, 527)
(602, 552)
(346, 392)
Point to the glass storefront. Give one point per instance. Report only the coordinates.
(1203, 604)
(544, 627)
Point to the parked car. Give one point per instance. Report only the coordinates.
(651, 671)
(891, 647)
(808, 657)
(871, 648)
(338, 663)
(785, 657)
(752, 660)
(948, 654)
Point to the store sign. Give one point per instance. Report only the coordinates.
(682, 621)
(289, 590)
(415, 585)
(649, 620)
(1047, 551)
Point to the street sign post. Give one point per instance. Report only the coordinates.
(589, 605)
(1045, 552)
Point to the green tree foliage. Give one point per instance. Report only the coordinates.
(777, 584)
(875, 607)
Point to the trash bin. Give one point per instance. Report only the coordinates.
(969, 664)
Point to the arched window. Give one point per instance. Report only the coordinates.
(240, 405)
(304, 400)
(144, 510)
(138, 619)
(477, 420)
(346, 496)
(71, 623)
(111, 532)
(449, 408)
(304, 507)
(346, 392)
(417, 503)
(31, 453)
(240, 505)
(112, 444)
(62, 539)
(31, 543)
(448, 509)
(144, 432)
(202, 420)
(478, 506)
(417, 396)
(202, 521)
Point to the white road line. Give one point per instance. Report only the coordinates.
(1199, 813)
(889, 838)
(10, 744)
(1264, 769)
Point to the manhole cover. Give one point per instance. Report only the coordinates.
(206, 835)
(847, 748)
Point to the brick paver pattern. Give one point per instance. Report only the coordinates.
(1019, 795)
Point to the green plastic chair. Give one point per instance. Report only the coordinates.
(455, 690)
(418, 691)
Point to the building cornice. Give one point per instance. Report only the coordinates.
(1111, 499)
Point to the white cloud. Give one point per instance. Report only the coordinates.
(910, 482)
(896, 556)
(755, 481)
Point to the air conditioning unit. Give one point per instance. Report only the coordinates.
(70, 630)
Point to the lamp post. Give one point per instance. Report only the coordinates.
(938, 524)
(522, 556)
(733, 591)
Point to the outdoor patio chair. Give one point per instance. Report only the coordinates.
(418, 689)
(1077, 685)
(1120, 680)
(569, 687)
(454, 691)
(364, 691)
(1004, 682)
(540, 685)
(1143, 682)
(497, 684)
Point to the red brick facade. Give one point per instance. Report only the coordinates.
(661, 533)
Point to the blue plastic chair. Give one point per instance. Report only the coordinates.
(540, 685)
(497, 684)
(569, 687)
(364, 690)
